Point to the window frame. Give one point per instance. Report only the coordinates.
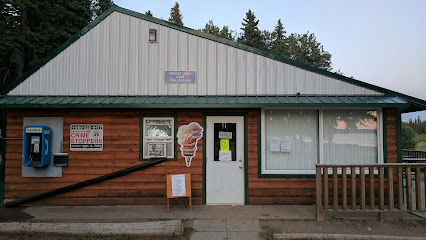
(320, 159)
(142, 125)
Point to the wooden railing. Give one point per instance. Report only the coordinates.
(414, 153)
(383, 187)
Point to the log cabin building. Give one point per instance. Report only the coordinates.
(126, 89)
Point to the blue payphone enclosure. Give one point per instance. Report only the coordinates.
(36, 150)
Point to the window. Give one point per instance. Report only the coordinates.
(293, 141)
(350, 137)
(158, 137)
(298, 131)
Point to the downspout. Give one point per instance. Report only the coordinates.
(84, 183)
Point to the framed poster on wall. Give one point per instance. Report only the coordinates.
(156, 150)
(86, 137)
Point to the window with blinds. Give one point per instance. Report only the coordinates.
(294, 140)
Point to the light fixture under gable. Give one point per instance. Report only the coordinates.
(152, 35)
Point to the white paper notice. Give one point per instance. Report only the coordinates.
(286, 145)
(178, 185)
(225, 155)
(274, 145)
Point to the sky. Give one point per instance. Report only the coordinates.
(381, 42)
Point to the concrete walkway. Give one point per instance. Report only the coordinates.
(176, 212)
(218, 229)
(208, 222)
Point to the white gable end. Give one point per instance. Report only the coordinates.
(115, 58)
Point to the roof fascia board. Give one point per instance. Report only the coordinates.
(400, 106)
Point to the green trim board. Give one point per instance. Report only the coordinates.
(241, 101)
(246, 187)
(245, 115)
(141, 117)
(385, 139)
(415, 103)
(3, 155)
(259, 143)
(204, 190)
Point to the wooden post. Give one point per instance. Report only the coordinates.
(168, 204)
(335, 190)
(408, 185)
(344, 189)
(371, 181)
(400, 192)
(418, 192)
(353, 188)
(325, 186)
(320, 213)
(362, 181)
(381, 194)
(390, 185)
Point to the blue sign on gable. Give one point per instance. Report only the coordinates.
(179, 76)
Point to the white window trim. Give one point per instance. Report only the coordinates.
(172, 138)
(380, 153)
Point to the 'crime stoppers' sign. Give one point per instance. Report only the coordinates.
(86, 137)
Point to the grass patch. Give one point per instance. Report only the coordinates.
(187, 232)
(421, 146)
(267, 233)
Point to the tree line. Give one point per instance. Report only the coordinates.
(30, 30)
(303, 48)
(413, 133)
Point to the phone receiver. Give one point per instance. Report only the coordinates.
(47, 147)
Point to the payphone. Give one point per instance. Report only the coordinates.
(36, 152)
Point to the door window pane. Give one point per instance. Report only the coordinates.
(225, 142)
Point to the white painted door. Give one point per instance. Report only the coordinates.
(225, 160)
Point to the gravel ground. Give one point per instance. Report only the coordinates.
(401, 227)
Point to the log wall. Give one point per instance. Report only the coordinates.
(148, 186)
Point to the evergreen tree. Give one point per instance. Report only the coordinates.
(278, 35)
(251, 34)
(30, 30)
(304, 48)
(417, 125)
(176, 15)
(148, 13)
(267, 40)
(210, 28)
(279, 32)
(226, 33)
(100, 6)
(408, 137)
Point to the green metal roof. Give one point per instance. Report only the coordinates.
(199, 101)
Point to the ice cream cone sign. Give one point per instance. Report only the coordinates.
(188, 136)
